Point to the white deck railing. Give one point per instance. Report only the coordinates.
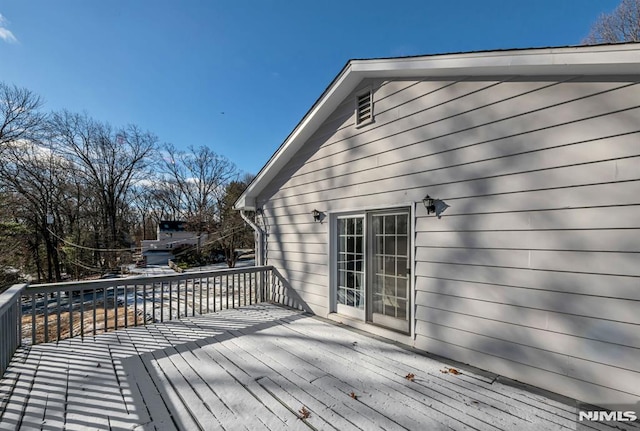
(10, 324)
(55, 311)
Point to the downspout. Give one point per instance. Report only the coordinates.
(259, 238)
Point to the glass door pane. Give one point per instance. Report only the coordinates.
(350, 265)
(389, 293)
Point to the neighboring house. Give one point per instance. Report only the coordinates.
(171, 234)
(533, 269)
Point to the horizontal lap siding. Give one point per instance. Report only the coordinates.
(532, 272)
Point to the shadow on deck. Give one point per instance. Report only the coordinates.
(258, 367)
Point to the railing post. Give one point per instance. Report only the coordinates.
(10, 324)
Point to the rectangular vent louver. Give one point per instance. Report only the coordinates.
(363, 108)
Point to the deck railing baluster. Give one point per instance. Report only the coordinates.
(104, 301)
(200, 304)
(178, 299)
(82, 313)
(33, 318)
(70, 297)
(115, 308)
(251, 287)
(126, 314)
(45, 304)
(144, 303)
(186, 298)
(135, 304)
(94, 304)
(208, 291)
(215, 283)
(170, 299)
(153, 302)
(237, 283)
(58, 307)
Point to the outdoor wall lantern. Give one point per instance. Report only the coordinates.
(429, 204)
(435, 206)
(317, 216)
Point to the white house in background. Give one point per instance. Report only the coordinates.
(171, 234)
(533, 269)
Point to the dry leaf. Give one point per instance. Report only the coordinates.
(304, 413)
(454, 371)
(353, 395)
(410, 377)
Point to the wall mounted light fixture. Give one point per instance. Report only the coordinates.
(317, 215)
(436, 206)
(429, 204)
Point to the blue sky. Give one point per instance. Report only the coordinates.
(238, 75)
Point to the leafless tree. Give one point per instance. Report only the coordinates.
(621, 25)
(36, 181)
(233, 233)
(19, 115)
(14, 253)
(109, 162)
(192, 184)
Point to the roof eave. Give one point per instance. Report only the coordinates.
(619, 59)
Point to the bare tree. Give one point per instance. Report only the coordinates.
(621, 25)
(37, 179)
(13, 242)
(192, 184)
(110, 162)
(233, 233)
(19, 116)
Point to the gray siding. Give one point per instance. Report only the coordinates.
(533, 272)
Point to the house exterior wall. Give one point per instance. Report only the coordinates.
(532, 272)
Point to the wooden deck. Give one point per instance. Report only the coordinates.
(259, 367)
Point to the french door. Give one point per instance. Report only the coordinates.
(373, 261)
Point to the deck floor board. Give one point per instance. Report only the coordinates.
(257, 367)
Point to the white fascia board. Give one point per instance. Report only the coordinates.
(622, 59)
(613, 59)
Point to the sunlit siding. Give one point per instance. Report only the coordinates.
(533, 271)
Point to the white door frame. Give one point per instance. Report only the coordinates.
(333, 253)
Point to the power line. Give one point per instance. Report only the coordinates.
(85, 247)
(234, 230)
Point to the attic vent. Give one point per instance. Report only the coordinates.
(364, 109)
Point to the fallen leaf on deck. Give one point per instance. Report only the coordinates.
(410, 377)
(304, 413)
(353, 395)
(454, 371)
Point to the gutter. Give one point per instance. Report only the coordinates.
(259, 238)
